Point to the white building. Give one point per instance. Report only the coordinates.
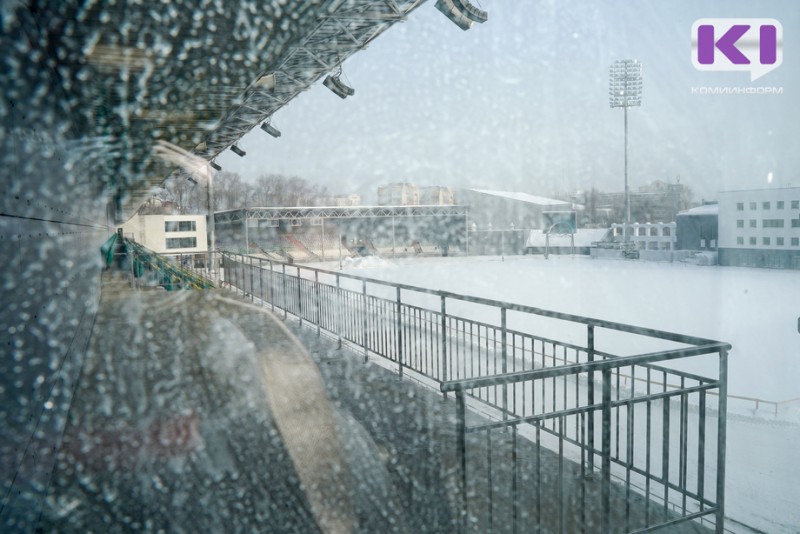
(760, 228)
(401, 194)
(170, 235)
(438, 195)
(648, 236)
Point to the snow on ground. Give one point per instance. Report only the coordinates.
(755, 310)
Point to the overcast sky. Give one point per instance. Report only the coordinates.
(521, 103)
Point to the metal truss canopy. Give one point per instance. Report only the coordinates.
(344, 28)
(349, 212)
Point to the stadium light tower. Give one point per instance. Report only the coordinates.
(624, 91)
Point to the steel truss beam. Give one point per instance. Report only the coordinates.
(343, 30)
(344, 212)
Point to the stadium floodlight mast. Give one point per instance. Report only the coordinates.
(624, 91)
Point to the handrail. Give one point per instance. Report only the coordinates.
(589, 321)
(578, 368)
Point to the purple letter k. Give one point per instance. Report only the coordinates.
(726, 44)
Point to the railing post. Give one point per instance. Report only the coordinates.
(721, 437)
(261, 281)
(272, 286)
(364, 319)
(285, 297)
(252, 280)
(316, 294)
(299, 298)
(444, 343)
(590, 393)
(605, 468)
(339, 311)
(461, 451)
(504, 352)
(241, 280)
(399, 333)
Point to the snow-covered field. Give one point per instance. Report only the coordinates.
(756, 310)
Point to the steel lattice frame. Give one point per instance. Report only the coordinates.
(349, 212)
(344, 28)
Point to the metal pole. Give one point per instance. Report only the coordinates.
(340, 252)
(339, 309)
(627, 195)
(504, 352)
(246, 229)
(211, 225)
(444, 343)
(322, 239)
(605, 468)
(590, 393)
(399, 333)
(364, 319)
(461, 431)
(393, 241)
(721, 437)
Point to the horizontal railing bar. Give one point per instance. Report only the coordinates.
(578, 368)
(638, 330)
(673, 522)
(584, 409)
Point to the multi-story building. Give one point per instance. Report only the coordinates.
(760, 228)
(438, 195)
(400, 194)
(170, 235)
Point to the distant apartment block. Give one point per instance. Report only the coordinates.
(438, 196)
(760, 228)
(400, 194)
(171, 235)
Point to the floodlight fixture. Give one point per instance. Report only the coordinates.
(624, 91)
(625, 84)
(238, 151)
(214, 165)
(456, 16)
(470, 11)
(462, 12)
(191, 180)
(270, 129)
(339, 88)
(266, 82)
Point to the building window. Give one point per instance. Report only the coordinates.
(753, 223)
(752, 240)
(654, 231)
(702, 243)
(765, 205)
(795, 223)
(642, 231)
(772, 223)
(180, 226)
(796, 204)
(740, 240)
(765, 241)
(667, 231)
(796, 241)
(753, 205)
(181, 242)
(740, 206)
(740, 223)
(779, 205)
(779, 241)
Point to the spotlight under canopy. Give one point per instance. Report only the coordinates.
(339, 88)
(461, 12)
(215, 166)
(270, 129)
(238, 151)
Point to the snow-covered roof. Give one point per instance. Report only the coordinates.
(523, 197)
(584, 237)
(705, 209)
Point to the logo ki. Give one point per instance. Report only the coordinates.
(754, 45)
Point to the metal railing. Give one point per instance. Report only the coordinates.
(639, 443)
